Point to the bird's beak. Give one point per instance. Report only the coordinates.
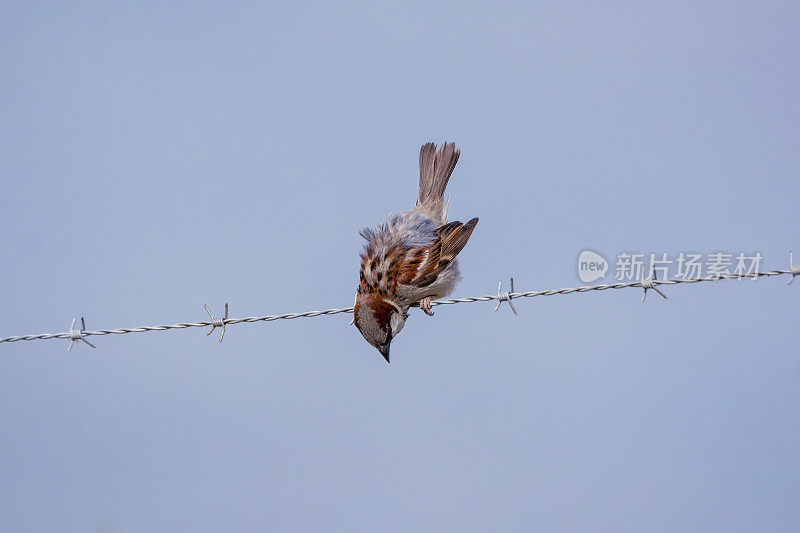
(384, 349)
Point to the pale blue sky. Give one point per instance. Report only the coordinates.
(155, 158)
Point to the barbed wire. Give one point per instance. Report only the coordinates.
(221, 322)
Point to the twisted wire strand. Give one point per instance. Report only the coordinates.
(488, 298)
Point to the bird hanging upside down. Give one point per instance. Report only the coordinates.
(411, 259)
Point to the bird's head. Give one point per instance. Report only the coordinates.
(379, 319)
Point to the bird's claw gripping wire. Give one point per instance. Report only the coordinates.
(217, 322)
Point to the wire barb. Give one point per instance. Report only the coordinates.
(794, 270)
(78, 335)
(217, 322)
(505, 296)
(649, 283)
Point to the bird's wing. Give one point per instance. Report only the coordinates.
(422, 266)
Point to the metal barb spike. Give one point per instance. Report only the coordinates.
(76, 335)
(648, 283)
(793, 269)
(217, 322)
(505, 296)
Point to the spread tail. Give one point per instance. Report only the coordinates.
(435, 168)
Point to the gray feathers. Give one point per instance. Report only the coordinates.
(410, 228)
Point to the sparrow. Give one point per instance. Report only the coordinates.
(411, 258)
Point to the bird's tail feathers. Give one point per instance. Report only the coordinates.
(435, 168)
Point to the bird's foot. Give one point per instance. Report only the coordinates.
(425, 305)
